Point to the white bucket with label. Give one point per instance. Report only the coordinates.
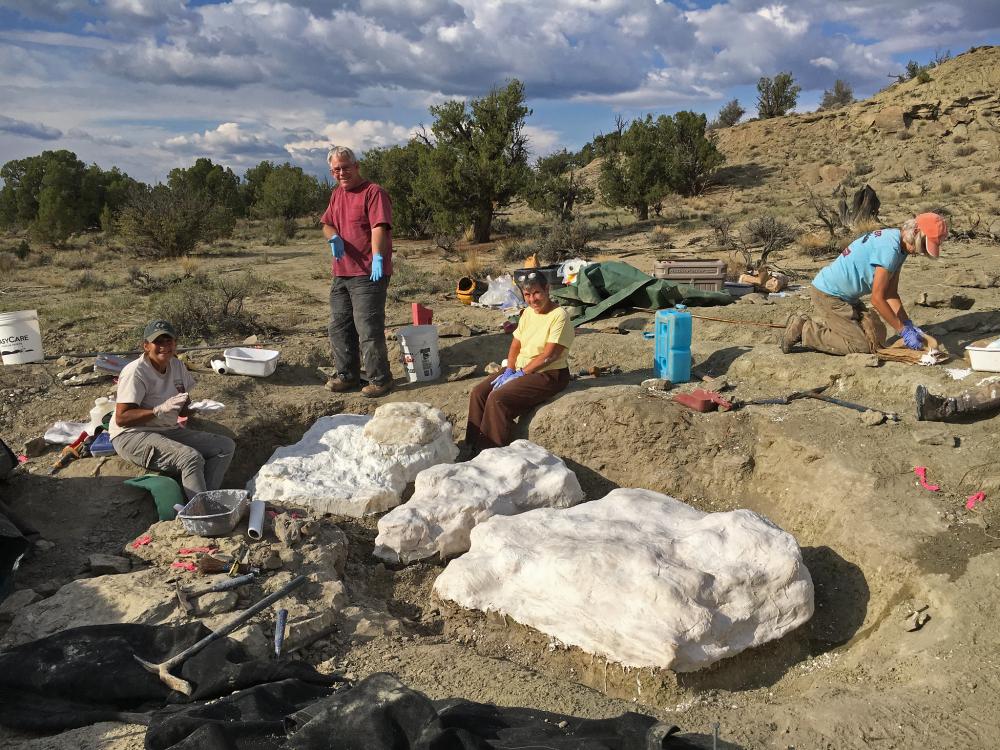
(420, 352)
(20, 338)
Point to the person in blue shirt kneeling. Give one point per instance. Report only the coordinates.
(841, 323)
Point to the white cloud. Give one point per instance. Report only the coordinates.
(824, 62)
(542, 141)
(228, 140)
(359, 135)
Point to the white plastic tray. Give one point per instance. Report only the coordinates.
(256, 362)
(983, 358)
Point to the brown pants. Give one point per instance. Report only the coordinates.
(840, 327)
(492, 413)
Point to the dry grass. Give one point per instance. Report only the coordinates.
(863, 227)
(946, 187)
(819, 245)
(8, 262)
(965, 150)
(190, 266)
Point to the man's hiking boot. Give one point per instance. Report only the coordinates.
(793, 332)
(374, 390)
(973, 402)
(339, 385)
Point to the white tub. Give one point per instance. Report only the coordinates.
(984, 358)
(256, 362)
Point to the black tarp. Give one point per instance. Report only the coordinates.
(89, 674)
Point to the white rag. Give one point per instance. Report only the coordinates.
(207, 405)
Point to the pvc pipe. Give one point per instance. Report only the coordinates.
(219, 366)
(255, 527)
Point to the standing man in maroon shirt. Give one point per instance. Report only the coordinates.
(358, 226)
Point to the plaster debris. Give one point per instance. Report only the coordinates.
(355, 465)
(639, 578)
(450, 499)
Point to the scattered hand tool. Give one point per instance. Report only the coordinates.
(162, 670)
(279, 632)
(70, 453)
(816, 393)
(703, 401)
(239, 557)
(223, 585)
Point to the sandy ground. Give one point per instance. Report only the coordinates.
(877, 545)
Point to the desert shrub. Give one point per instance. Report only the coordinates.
(88, 280)
(167, 223)
(839, 96)
(8, 262)
(205, 306)
(278, 230)
(818, 245)
(965, 150)
(988, 186)
(756, 240)
(75, 262)
(904, 135)
(946, 187)
(923, 77)
(554, 243)
(776, 96)
(863, 168)
(730, 114)
(22, 250)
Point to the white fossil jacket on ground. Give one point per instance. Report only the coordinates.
(450, 499)
(355, 465)
(639, 578)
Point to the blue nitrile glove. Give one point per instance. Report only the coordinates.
(376, 267)
(911, 335)
(506, 376)
(337, 246)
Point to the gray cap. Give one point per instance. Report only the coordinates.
(157, 328)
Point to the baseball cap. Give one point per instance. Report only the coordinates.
(935, 231)
(157, 328)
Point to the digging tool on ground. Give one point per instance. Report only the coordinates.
(162, 670)
(225, 585)
(817, 393)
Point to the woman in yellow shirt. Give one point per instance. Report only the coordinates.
(538, 368)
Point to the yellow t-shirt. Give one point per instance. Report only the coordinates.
(534, 331)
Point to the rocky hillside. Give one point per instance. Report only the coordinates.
(930, 145)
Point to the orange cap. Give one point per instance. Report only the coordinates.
(935, 231)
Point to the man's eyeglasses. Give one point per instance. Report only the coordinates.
(334, 170)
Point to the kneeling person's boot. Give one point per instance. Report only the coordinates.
(982, 400)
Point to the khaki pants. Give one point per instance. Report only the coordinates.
(838, 327)
(200, 458)
(492, 413)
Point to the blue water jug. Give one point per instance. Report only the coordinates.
(672, 350)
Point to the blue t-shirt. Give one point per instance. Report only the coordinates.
(851, 275)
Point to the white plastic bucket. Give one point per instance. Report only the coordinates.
(420, 352)
(20, 338)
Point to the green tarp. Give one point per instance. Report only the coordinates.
(605, 286)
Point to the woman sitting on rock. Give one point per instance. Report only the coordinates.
(538, 368)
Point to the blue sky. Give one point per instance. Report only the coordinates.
(147, 85)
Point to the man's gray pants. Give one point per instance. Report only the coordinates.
(357, 328)
(200, 458)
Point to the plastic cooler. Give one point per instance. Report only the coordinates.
(672, 345)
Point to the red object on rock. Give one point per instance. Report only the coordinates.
(422, 316)
(703, 401)
(142, 541)
(971, 500)
(190, 567)
(921, 472)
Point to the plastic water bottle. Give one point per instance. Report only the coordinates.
(672, 350)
